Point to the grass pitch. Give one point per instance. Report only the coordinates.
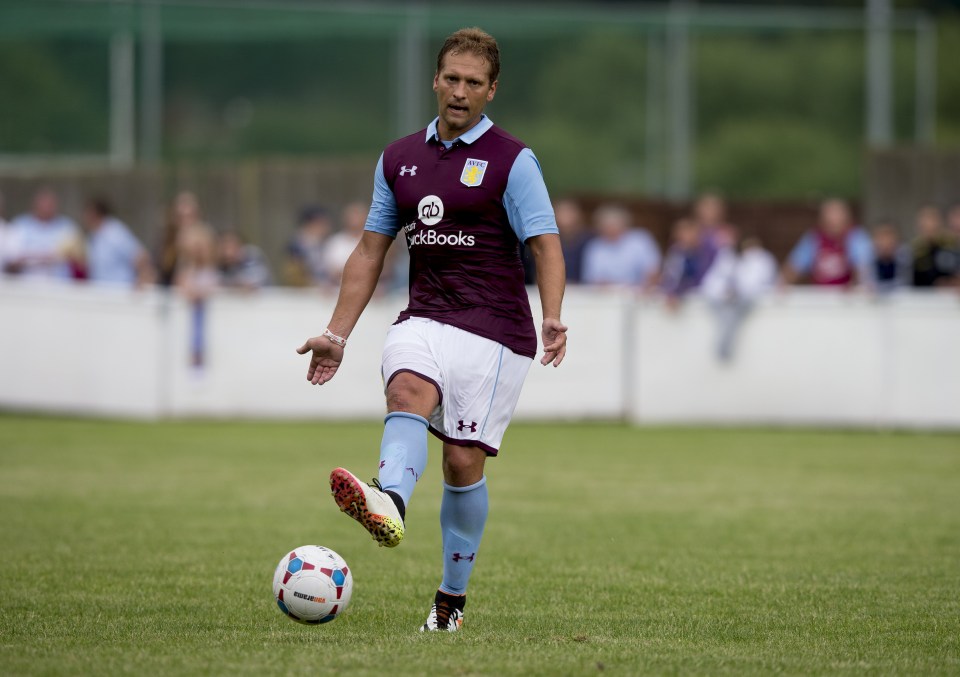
(149, 548)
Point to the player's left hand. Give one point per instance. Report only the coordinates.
(554, 342)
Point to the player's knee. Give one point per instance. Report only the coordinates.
(409, 393)
(462, 466)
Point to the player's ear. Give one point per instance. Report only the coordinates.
(436, 80)
(493, 90)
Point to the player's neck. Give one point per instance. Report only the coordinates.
(447, 134)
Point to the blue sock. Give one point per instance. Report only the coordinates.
(463, 513)
(403, 453)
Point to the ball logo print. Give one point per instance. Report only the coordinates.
(430, 210)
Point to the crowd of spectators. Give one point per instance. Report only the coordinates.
(605, 248)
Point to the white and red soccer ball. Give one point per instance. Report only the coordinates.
(312, 584)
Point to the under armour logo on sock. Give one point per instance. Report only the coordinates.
(412, 171)
(413, 472)
(382, 463)
(463, 426)
(457, 557)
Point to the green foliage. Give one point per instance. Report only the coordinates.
(948, 84)
(776, 113)
(54, 97)
(134, 548)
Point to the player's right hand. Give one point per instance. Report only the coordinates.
(324, 361)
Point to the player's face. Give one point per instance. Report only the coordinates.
(463, 89)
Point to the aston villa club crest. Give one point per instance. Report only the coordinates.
(473, 172)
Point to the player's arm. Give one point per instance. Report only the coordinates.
(531, 217)
(360, 276)
(359, 280)
(551, 281)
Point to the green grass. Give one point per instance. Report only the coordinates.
(149, 548)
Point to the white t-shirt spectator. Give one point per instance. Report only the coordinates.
(112, 253)
(630, 260)
(41, 247)
(746, 277)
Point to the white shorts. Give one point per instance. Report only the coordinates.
(478, 380)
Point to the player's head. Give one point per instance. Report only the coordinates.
(468, 66)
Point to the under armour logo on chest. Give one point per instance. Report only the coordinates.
(463, 426)
(412, 171)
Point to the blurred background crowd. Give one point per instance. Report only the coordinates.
(604, 246)
(227, 145)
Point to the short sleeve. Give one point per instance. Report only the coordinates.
(127, 243)
(383, 207)
(803, 253)
(526, 199)
(860, 248)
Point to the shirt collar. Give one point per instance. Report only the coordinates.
(469, 137)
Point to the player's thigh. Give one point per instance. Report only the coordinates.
(483, 380)
(413, 381)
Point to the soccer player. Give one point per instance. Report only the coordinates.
(465, 194)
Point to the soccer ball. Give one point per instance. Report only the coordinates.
(312, 584)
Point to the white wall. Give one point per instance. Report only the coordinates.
(806, 357)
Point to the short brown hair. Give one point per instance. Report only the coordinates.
(474, 41)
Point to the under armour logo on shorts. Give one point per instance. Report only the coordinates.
(412, 171)
(463, 426)
(457, 557)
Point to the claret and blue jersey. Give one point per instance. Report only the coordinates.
(465, 207)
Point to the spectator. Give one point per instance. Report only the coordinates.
(183, 218)
(688, 259)
(305, 262)
(733, 284)
(5, 240)
(342, 243)
(936, 260)
(196, 279)
(835, 253)
(574, 236)
(114, 255)
(44, 243)
(710, 215)
(953, 220)
(241, 265)
(890, 268)
(619, 254)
